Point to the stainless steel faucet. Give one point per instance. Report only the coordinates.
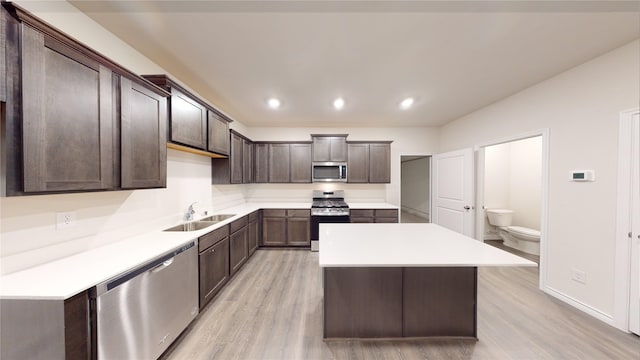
(190, 212)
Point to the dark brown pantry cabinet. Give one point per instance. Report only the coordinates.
(213, 261)
(74, 120)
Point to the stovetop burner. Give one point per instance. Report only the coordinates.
(329, 203)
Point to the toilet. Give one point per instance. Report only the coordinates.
(517, 237)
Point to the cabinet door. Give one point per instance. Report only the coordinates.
(247, 162)
(67, 118)
(238, 250)
(143, 122)
(358, 163)
(254, 234)
(338, 149)
(379, 163)
(279, 163)
(214, 270)
(188, 121)
(237, 143)
(261, 161)
(3, 63)
(321, 148)
(300, 163)
(218, 139)
(299, 231)
(274, 231)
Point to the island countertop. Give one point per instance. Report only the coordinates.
(406, 245)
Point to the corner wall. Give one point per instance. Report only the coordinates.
(580, 107)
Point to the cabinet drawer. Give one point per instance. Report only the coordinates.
(212, 238)
(389, 220)
(386, 213)
(366, 219)
(253, 216)
(362, 213)
(298, 213)
(238, 224)
(274, 213)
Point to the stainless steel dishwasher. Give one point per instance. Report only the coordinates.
(140, 313)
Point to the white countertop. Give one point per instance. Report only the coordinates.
(406, 245)
(63, 278)
(370, 205)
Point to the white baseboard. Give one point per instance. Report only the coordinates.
(604, 317)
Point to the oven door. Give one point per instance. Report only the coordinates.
(315, 226)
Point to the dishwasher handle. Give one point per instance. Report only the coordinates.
(162, 266)
(154, 266)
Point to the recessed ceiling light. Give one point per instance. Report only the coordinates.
(273, 103)
(338, 103)
(406, 103)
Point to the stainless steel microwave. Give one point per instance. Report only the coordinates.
(329, 171)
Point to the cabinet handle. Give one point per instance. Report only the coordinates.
(213, 250)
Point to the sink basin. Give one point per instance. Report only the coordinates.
(191, 226)
(218, 218)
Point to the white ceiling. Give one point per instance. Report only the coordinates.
(453, 57)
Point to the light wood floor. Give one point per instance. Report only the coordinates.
(272, 309)
(406, 217)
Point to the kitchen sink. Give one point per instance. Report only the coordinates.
(218, 218)
(191, 226)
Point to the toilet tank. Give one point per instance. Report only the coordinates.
(500, 217)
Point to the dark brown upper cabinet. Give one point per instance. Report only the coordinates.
(279, 159)
(218, 138)
(331, 148)
(238, 167)
(193, 124)
(282, 162)
(143, 127)
(67, 122)
(300, 162)
(369, 162)
(3, 67)
(261, 162)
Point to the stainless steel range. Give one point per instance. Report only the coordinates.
(327, 207)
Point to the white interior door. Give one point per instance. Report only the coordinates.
(634, 290)
(452, 186)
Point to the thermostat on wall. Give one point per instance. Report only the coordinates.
(582, 175)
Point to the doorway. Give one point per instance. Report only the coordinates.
(512, 196)
(415, 188)
(542, 164)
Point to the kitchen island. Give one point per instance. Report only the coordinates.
(402, 280)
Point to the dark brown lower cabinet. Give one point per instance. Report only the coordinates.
(214, 270)
(376, 302)
(274, 227)
(254, 232)
(286, 227)
(45, 329)
(374, 216)
(238, 249)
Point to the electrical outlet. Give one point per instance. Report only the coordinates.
(65, 220)
(579, 276)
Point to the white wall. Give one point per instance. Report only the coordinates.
(513, 175)
(415, 186)
(580, 107)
